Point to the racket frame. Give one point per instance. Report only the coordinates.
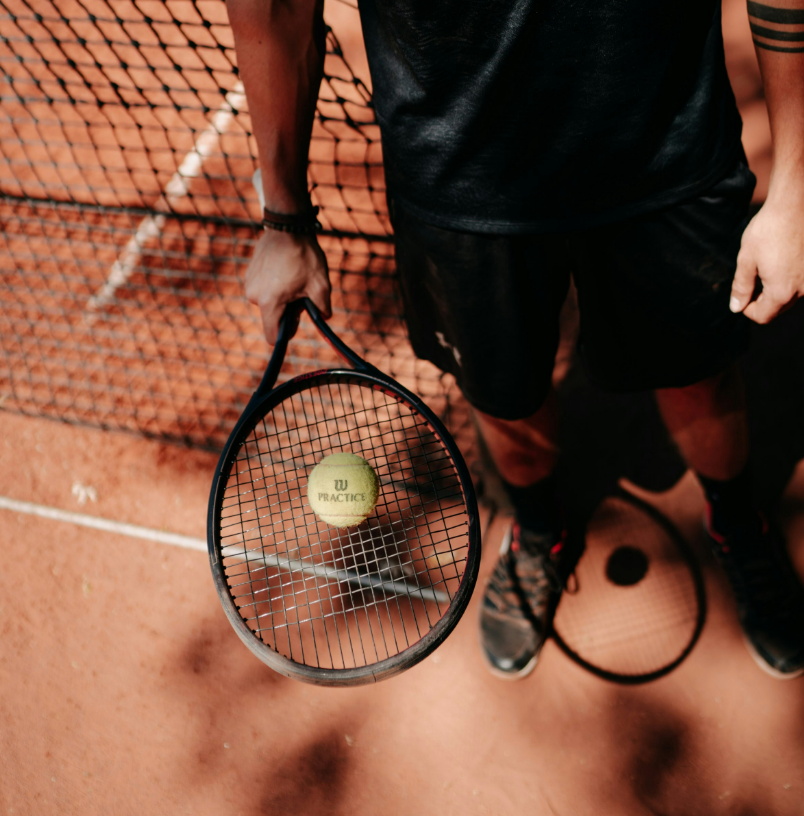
(263, 401)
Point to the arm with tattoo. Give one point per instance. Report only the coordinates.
(773, 244)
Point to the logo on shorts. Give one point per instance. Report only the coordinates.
(443, 342)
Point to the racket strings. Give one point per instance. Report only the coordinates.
(450, 519)
(270, 507)
(343, 598)
(380, 418)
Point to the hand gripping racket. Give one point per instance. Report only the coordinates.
(329, 605)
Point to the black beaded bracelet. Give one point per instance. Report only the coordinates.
(305, 223)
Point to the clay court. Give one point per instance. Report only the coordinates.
(124, 689)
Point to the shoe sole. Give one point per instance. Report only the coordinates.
(758, 659)
(522, 673)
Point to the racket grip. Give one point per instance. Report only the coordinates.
(313, 311)
(287, 326)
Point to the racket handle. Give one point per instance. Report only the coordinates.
(287, 326)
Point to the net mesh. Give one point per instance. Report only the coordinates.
(127, 216)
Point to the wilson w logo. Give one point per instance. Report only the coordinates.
(341, 484)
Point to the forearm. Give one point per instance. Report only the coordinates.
(280, 55)
(778, 32)
(772, 248)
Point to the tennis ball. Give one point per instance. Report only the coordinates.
(342, 489)
(440, 559)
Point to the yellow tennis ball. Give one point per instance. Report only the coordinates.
(342, 489)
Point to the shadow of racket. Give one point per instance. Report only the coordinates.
(640, 605)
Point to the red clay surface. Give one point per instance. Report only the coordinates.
(123, 689)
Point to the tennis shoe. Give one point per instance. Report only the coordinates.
(769, 594)
(519, 602)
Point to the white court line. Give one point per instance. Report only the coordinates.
(108, 525)
(178, 186)
(190, 543)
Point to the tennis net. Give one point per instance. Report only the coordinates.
(127, 216)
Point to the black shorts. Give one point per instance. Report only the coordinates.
(653, 295)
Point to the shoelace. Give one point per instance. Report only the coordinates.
(754, 575)
(550, 552)
(501, 592)
(755, 579)
(554, 579)
(509, 591)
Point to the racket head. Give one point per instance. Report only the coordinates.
(342, 606)
(641, 603)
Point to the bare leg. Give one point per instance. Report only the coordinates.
(708, 422)
(528, 573)
(524, 450)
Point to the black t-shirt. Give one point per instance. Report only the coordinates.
(528, 115)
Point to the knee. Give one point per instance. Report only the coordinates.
(524, 450)
(722, 392)
(704, 390)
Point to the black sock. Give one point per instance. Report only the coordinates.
(536, 506)
(732, 501)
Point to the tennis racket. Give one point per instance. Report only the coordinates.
(328, 605)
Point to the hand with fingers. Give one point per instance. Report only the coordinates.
(285, 267)
(770, 267)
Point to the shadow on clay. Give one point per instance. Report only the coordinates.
(309, 782)
(667, 766)
(229, 691)
(215, 652)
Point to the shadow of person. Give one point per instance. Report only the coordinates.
(608, 437)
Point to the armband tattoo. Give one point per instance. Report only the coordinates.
(787, 27)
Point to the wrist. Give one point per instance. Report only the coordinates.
(302, 222)
(288, 243)
(786, 190)
(786, 182)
